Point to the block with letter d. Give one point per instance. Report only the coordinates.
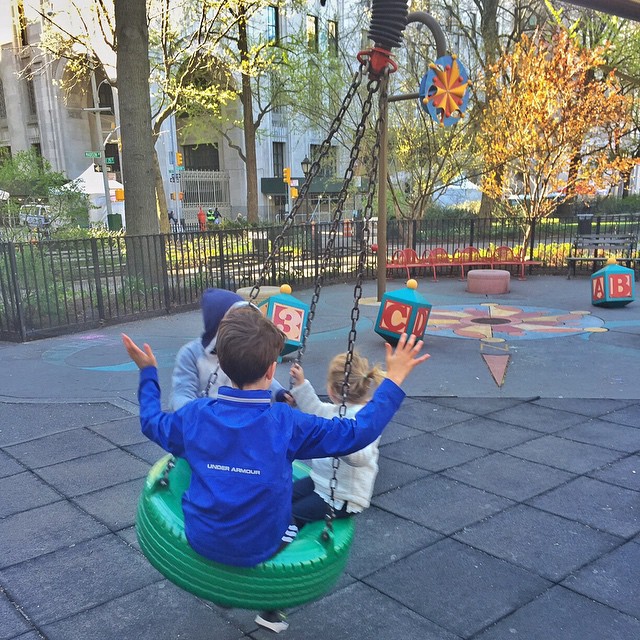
(403, 311)
(613, 285)
(288, 314)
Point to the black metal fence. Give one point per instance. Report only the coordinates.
(53, 286)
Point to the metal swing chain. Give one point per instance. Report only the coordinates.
(372, 88)
(313, 172)
(357, 291)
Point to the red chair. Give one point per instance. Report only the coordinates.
(435, 258)
(469, 257)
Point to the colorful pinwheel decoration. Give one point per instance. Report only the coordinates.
(444, 90)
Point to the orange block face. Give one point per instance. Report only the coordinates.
(395, 316)
(288, 320)
(420, 323)
(597, 288)
(620, 285)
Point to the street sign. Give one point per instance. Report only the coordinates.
(109, 160)
(293, 183)
(92, 154)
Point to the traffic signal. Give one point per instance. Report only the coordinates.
(178, 159)
(294, 192)
(286, 173)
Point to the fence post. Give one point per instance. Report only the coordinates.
(97, 277)
(16, 291)
(472, 232)
(223, 271)
(165, 275)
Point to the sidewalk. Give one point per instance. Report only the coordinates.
(499, 512)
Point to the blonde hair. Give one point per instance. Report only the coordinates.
(362, 378)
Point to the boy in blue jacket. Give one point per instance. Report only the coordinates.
(240, 446)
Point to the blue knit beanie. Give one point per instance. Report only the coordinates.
(215, 303)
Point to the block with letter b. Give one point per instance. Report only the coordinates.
(613, 285)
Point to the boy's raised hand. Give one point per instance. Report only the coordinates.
(297, 374)
(141, 358)
(402, 359)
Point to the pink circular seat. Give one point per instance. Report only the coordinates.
(494, 281)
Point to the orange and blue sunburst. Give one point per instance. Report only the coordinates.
(444, 90)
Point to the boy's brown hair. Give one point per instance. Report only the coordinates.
(247, 344)
(362, 379)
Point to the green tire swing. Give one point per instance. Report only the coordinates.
(304, 570)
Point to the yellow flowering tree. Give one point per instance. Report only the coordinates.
(553, 127)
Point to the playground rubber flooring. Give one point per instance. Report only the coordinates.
(507, 503)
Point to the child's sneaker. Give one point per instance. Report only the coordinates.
(273, 620)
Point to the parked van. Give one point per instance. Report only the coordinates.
(34, 215)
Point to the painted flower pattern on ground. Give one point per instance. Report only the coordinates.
(509, 322)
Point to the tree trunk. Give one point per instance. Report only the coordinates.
(132, 40)
(249, 126)
(145, 258)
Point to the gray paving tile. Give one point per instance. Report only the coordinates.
(628, 415)
(24, 491)
(593, 407)
(563, 615)
(538, 418)
(9, 466)
(393, 474)
(58, 447)
(157, 610)
(122, 432)
(507, 476)
(359, 612)
(441, 504)
(428, 416)
(395, 431)
(77, 578)
(39, 531)
(429, 451)
(484, 432)
(575, 457)
(32, 635)
(478, 406)
(624, 473)
(129, 536)
(148, 451)
(541, 542)
(457, 587)
(603, 506)
(23, 421)
(613, 579)
(605, 434)
(382, 538)
(93, 472)
(12, 623)
(114, 506)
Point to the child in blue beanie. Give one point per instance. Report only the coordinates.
(197, 372)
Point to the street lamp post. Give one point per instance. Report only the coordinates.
(306, 167)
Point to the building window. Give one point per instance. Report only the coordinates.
(278, 159)
(201, 157)
(5, 154)
(332, 37)
(273, 24)
(329, 164)
(31, 97)
(312, 33)
(3, 104)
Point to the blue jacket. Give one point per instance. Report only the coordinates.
(240, 448)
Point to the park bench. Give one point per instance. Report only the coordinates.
(597, 248)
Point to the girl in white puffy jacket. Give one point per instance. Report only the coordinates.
(357, 472)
